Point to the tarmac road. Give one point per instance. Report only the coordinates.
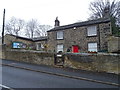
(20, 78)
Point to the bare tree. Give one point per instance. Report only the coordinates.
(42, 30)
(34, 29)
(31, 27)
(14, 26)
(105, 8)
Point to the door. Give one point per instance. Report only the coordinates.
(75, 49)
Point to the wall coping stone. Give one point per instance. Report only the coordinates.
(94, 54)
(82, 54)
(33, 51)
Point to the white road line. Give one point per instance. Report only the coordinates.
(6, 87)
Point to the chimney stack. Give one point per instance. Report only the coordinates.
(57, 22)
(106, 12)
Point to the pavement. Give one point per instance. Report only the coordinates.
(107, 77)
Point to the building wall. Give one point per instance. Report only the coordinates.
(8, 40)
(114, 44)
(51, 41)
(105, 32)
(79, 37)
(42, 45)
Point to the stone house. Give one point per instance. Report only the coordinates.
(40, 43)
(81, 37)
(88, 36)
(17, 42)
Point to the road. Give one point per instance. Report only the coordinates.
(20, 78)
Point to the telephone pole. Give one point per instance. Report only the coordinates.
(3, 27)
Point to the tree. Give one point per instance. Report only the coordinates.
(103, 8)
(35, 29)
(14, 25)
(42, 30)
(31, 27)
(106, 9)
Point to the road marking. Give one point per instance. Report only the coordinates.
(6, 87)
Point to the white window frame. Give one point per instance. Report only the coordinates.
(92, 31)
(60, 35)
(60, 47)
(39, 46)
(92, 47)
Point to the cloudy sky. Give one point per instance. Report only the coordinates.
(68, 11)
(45, 11)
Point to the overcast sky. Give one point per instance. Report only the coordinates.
(45, 11)
(68, 11)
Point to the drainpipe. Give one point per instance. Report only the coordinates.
(99, 38)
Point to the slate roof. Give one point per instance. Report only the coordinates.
(39, 39)
(79, 24)
(29, 39)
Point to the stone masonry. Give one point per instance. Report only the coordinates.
(76, 34)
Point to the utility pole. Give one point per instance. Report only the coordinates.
(3, 27)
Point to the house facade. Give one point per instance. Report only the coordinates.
(81, 37)
(17, 42)
(88, 36)
(40, 43)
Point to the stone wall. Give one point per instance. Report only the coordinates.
(79, 37)
(28, 43)
(91, 62)
(39, 44)
(105, 31)
(9, 39)
(114, 44)
(29, 56)
(94, 62)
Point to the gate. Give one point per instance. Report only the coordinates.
(59, 59)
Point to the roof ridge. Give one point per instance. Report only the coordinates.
(78, 24)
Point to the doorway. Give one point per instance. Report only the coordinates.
(75, 49)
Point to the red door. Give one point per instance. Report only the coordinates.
(75, 49)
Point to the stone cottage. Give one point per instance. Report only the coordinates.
(18, 42)
(40, 43)
(88, 36)
(81, 37)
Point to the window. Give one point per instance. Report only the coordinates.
(60, 35)
(60, 47)
(92, 47)
(39, 46)
(92, 31)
